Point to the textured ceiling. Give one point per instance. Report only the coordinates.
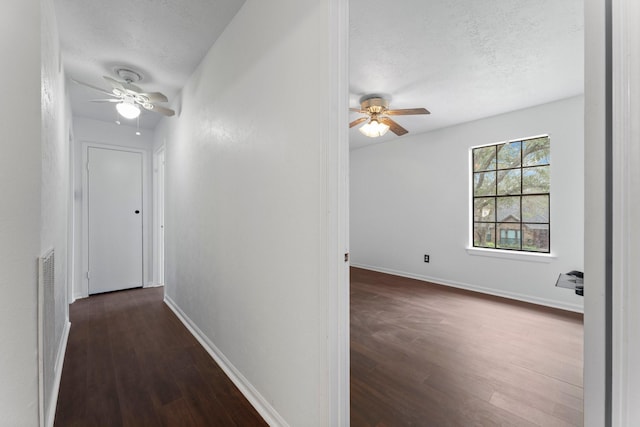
(463, 59)
(164, 40)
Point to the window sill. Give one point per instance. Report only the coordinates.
(520, 256)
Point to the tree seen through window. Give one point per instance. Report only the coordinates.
(511, 195)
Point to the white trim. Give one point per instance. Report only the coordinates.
(83, 290)
(153, 285)
(460, 285)
(595, 118)
(626, 211)
(515, 255)
(62, 351)
(268, 412)
(71, 220)
(158, 214)
(41, 381)
(335, 274)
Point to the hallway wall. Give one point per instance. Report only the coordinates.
(34, 187)
(56, 168)
(245, 212)
(20, 171)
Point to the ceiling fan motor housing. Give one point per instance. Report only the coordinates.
(377, 109)
(128, 75)
(375, 105)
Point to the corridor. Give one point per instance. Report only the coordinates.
(131, 362)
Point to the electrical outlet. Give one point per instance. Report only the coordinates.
(426, 258)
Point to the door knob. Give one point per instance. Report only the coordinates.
(137, 211)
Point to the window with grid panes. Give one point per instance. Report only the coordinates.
(511, 195)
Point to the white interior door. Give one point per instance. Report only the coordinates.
(114, 219)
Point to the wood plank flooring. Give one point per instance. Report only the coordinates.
(131, 362)
(421, 355)
(428, 355)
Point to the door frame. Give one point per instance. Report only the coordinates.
(336, 165)
(625, 175)
(158, 216)
(84, 283)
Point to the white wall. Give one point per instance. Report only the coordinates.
(89, 131)
(246, 205)
(34, 189)
(20, 169)
(410, 197)
(54, 200)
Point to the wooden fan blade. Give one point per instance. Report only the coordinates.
(107, 100)
(407, 112)
(155, 96)
(358, 121)
(393, 126)
(162, 110)
(99, 89)
(357, 110)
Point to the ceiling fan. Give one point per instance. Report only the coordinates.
(377, 111)
(129, 97)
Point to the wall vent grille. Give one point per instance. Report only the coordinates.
(46, 324)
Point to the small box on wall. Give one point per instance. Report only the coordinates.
(572, 280)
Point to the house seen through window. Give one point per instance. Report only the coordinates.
(511, 195)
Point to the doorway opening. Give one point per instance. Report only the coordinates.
(409, 194)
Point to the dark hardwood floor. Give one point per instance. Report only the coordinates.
(429, 355)
(421, 355)
(130, 362)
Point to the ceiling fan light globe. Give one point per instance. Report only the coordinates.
(128, 110)
(374, 129)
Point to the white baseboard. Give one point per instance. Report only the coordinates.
(268, 412)
(62, 350)
(504, 294)
(152, 285)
